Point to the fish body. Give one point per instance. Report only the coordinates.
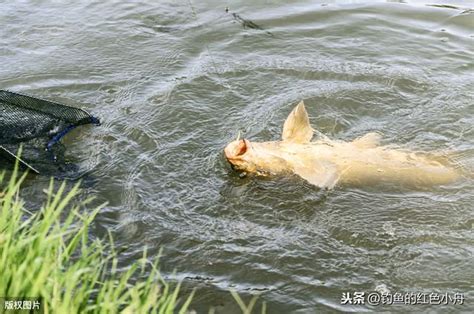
(326, 162)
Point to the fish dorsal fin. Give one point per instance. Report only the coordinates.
(370, 140)
(297, 128)
(320, 174)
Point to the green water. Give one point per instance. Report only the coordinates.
(174, 82)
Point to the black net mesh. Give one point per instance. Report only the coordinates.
(23, 117)
(37, 125)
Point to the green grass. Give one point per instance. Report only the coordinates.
(47, 254)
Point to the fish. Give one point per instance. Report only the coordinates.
(326, 163)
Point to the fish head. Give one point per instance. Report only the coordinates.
(266, 158)
(239, 154)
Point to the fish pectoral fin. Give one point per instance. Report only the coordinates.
(322, 175)
(370, 140)
(297, 128)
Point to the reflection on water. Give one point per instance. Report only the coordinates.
(173, 88)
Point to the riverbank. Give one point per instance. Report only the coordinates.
(50, 261)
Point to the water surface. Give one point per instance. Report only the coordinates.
(175, 81)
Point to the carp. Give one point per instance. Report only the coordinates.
(326, 163)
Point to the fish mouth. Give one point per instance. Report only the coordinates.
(236, 149)
(234, 153)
